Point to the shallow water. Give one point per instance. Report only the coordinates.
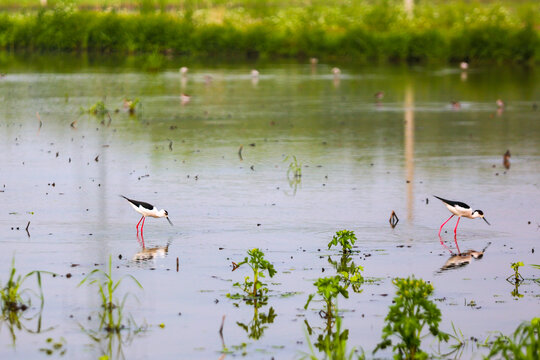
(360, 161)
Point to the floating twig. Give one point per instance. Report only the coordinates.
(393, 219)
(177, 264)
(240, 152)
(27, 226)
(40, 122)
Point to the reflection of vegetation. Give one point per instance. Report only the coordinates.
(295, 168)
(345, 238)
(255, 328)
(16, 300)
(411, 312)
(111, 344)
(523, 344)
(333, 343)
(461, 344)
(55, 347)
(111, 316)
(254, 290)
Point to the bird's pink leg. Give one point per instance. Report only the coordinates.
(142, 225)
(457, 246)
(138, 224)
(444, 223)
(455, 229)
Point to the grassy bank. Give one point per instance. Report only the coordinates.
(379, 31)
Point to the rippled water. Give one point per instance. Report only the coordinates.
(361, 160)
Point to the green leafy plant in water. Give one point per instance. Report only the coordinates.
(406, 319)
(99, 109)
(523, 344)
(112, 316)
(328, 288)
(345, 238)
(132, 105)
(254, 289)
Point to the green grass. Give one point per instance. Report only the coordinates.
(357, 31)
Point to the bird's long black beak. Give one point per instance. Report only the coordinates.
(486, 221)
(169, 221)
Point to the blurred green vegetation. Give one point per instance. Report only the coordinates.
(363, 31)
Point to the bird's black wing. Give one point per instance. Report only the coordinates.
(453, 203)
(139, 203)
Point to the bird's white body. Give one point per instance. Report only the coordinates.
(155, 213)
(459, 211)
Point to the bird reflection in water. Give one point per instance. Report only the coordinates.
(461, 259)
(147, 254)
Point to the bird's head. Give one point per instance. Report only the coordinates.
(479, 214)
(165, 214)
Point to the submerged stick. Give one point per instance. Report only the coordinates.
(27, 226)
(393, 219)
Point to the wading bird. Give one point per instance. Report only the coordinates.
(460, 209)
(145, 209)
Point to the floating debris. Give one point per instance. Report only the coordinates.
(96, 159)
(40, 122)
(240, 152)
(73, 124)
(393, 219)
(28, 233)
(506, 159)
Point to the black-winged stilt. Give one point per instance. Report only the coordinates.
(460, 209)
(145, 209)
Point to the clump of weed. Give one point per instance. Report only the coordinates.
(13, 297)
(411, 312)
(523, 344)
(98, 109)
(112, 313)
(345, 238)
(254, 289)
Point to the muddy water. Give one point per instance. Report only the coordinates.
(361, 160)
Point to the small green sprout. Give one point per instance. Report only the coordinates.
(411, 312)
(345, 238)
(516, 277)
